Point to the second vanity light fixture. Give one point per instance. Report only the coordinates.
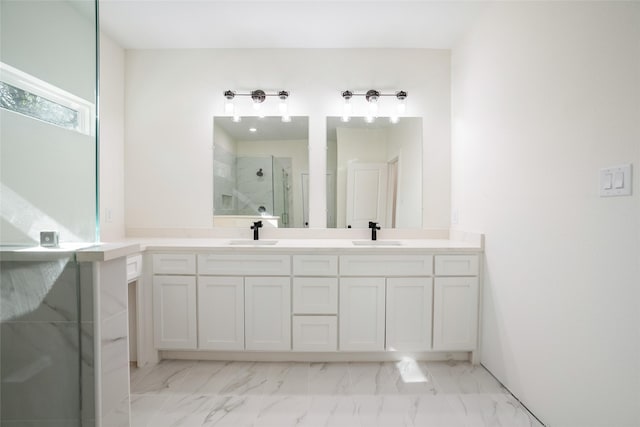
(258, 96)
(372, 96)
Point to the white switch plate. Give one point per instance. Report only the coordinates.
(615, 181)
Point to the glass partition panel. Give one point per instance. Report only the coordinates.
(48, 93)
(47, 111)
(378, 173)
(259, 174)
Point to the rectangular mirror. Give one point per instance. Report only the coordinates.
(374, 173)
(259, 166)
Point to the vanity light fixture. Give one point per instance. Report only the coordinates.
(258, 97)
(372, 96)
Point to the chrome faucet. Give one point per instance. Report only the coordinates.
(256, 225)
(374, 226)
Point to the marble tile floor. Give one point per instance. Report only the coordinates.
(185, 393)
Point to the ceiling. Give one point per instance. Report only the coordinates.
(181, 24)
(267, 128)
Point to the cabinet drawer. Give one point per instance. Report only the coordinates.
(456, 265)
(317, 295)
(134, 267)
(315, 265)
(386, 265)
(315, 333)
(246, 265)
(174, 264)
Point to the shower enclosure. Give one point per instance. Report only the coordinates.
(48, 156)
(261, 186)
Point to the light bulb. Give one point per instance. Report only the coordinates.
(284, 103)
(373, 107)
(401, 106)
(369, 119)
(346, 108)
(228, 102)
(394, 119)
(228, 107)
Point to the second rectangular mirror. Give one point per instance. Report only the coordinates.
(374, 173)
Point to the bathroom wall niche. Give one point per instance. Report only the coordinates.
(259, 165)
(374, 173)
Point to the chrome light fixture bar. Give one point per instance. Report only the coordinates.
(372, 96)
(258, 97)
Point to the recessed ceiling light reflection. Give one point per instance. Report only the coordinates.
(253, 130)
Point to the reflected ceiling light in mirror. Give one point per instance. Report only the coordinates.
(373, 96)
(258, 97)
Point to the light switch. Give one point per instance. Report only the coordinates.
(618, 180)
(615, 181)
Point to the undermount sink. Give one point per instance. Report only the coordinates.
(377, 242)
(248, 242)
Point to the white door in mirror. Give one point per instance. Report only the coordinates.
(366, 194)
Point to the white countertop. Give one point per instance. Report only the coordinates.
(84, 252)
(243, 245)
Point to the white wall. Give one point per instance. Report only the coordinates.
(111, 140)
(172, 95)
(545, 94)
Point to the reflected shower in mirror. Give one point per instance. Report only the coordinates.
(374, 173)
(259, 165)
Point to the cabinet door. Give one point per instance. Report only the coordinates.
(455, 313)
(174, 312)
(409, 314)
(362, 314)
(221, 313)
(268, 313)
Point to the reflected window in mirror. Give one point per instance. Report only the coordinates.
(374, 173)
(259, 169)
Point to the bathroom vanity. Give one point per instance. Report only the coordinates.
(312, 299)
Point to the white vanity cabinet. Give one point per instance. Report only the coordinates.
(455, 303)
(174, 302)
(352, 301)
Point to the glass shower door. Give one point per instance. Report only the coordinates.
(48, 182)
